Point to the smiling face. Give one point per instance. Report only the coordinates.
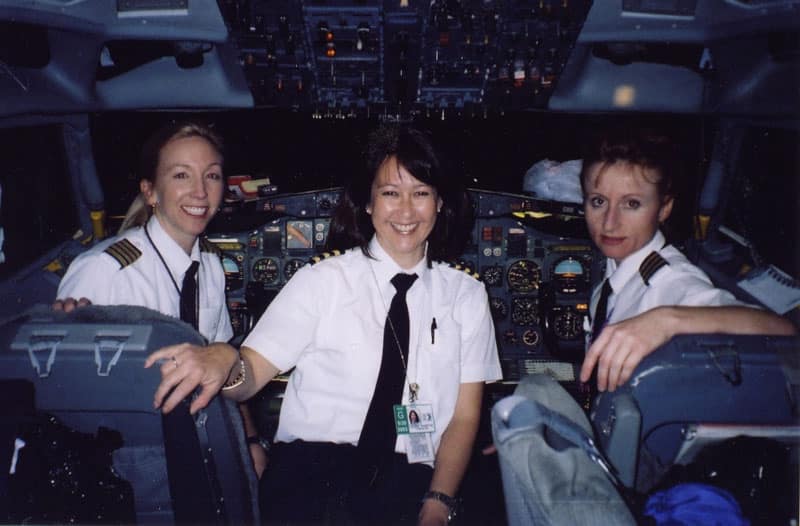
(188, 188)
(623, 207)
(403, 211)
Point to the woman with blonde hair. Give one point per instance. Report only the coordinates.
(159, 259)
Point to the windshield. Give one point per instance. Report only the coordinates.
(37, 211)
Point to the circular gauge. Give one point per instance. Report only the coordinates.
(233, 271)
(530, 338)
(291, 267)
(524, 276)
(567, 325)
(498, 308)
(524, 311)
(493, 275)
(570, 275)
(265, 270)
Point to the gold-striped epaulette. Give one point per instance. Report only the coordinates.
(124, 252)
(208, 246)
(466, 269)
(650, 265)
(325, 255)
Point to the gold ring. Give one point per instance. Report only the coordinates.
(175, 360)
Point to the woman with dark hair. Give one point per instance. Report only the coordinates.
(352, 225)
(377, 327)
(651, 291)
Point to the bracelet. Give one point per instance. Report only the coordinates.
(239, 379)
(447, 500)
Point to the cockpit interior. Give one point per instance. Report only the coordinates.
(510, 90)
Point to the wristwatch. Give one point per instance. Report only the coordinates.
(261, 441)
(447, 500)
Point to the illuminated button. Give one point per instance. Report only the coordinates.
(497, 235)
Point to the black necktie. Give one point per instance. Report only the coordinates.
(189, 296)
(602, 309)
(378, 434)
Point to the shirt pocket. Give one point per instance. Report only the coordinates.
(442, 354)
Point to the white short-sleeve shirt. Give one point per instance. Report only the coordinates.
(145, 281)
(679, 282)
(328, 323)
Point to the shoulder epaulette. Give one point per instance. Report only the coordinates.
(208, 246)
(124, 252)
(463, 268)
(325, 255)
(651, 264)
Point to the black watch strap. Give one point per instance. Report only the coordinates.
(261, 441)
(447, 500)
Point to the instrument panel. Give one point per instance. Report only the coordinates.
(533, 257)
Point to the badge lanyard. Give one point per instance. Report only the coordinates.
(413, 387)
(172, 278)
(414, 420)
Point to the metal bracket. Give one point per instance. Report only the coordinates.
(732, 374)
(40, 346)
(103, 346)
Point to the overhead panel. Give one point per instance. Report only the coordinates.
(346, 58)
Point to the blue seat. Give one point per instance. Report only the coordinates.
(86, 369)
(742, 382)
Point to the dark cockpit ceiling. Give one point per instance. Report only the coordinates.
(401, 58)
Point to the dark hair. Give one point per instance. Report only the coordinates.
(138, 213)
(640, 147)
(351, 226)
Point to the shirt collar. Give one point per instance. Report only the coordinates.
(619, 274)
(385, 268)
(173, 254)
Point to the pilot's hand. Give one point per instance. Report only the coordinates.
(70, 304)
(433, 513)
(185, 367)
(621, 346)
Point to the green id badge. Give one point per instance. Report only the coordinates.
(400, 419)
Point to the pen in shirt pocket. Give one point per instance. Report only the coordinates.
(433, 331)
